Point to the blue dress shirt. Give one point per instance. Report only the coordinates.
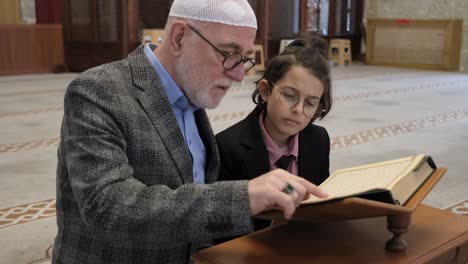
(184, 112)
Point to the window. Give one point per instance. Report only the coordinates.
(317, 16)
(329, 17)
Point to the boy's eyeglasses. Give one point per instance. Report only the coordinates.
(290, 97)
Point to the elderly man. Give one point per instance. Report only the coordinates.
(137, 158)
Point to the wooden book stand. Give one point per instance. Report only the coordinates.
(398, 217)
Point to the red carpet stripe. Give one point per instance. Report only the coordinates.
(397, 129)
(61, 90)
(28, 145)
(31, 112)
(369, 94)
(26, 213)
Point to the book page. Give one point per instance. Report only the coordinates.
(363, 178)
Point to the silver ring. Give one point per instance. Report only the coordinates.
(288, 188)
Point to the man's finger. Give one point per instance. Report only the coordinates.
(309, 187)
(286, 203)
(316, 191)
(313, 189)
(299, 188)
(297, 192)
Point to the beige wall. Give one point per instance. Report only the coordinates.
(10, 12)
(423, 9)
(17, 12)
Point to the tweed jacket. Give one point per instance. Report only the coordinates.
(125, 192)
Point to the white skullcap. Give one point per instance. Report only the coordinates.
(230, 12)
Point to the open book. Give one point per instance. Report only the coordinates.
(393, 181)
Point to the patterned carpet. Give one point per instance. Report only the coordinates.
(378, 114)
(460, 208)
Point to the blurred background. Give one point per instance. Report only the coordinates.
(75, 35)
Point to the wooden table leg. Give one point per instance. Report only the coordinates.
(398, 225)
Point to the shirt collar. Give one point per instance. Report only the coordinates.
(175, 95)
(274, 151)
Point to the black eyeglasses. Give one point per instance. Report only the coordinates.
(231, 60)
(290, 98)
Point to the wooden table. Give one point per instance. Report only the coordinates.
(434, 236)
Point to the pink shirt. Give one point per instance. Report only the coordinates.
(275, 152)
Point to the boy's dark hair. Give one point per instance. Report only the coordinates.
(310, 54)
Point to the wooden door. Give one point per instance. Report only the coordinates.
(98, 31)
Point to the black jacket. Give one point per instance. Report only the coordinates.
(244, 155)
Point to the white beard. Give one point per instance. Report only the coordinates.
(192, 84)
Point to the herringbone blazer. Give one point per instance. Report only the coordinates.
(125, 191)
